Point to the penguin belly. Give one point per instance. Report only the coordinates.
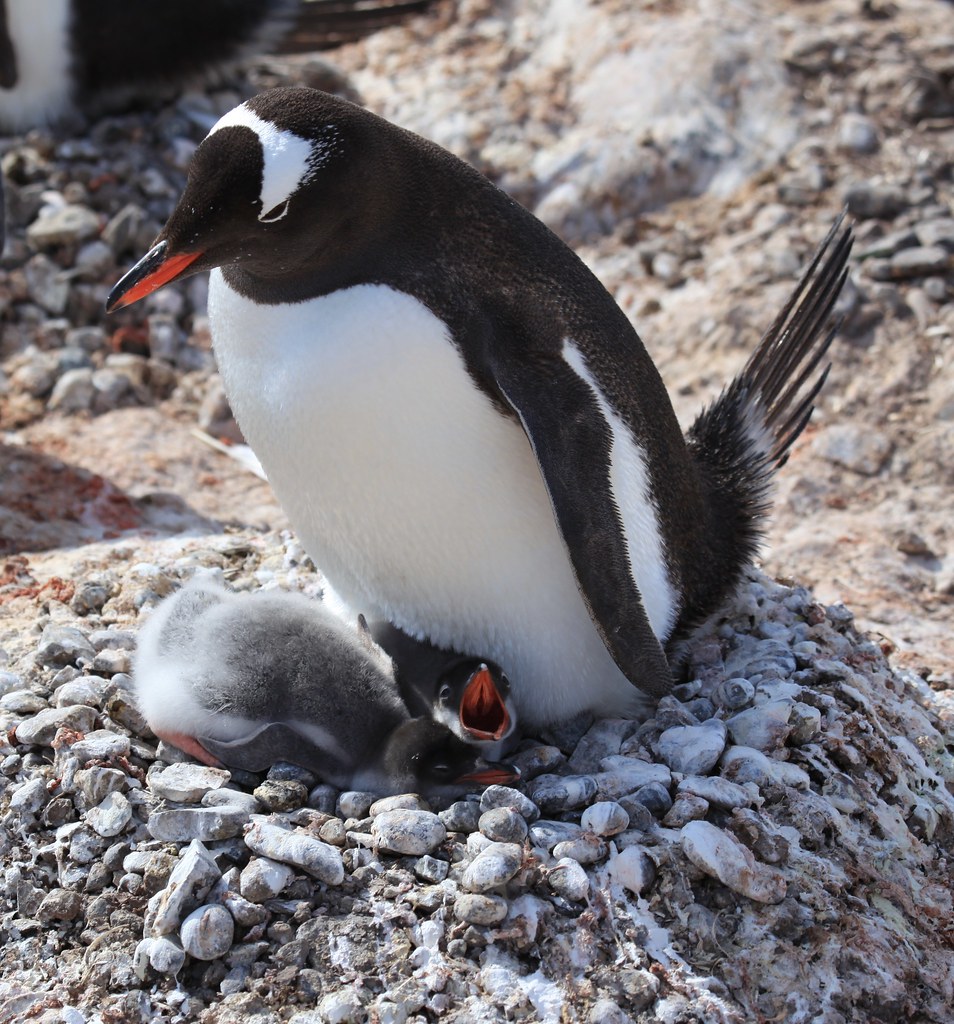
(414, 495)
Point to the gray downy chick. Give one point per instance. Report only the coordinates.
(251, 679)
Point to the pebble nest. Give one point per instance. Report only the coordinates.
(774, 842)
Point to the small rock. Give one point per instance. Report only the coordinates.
(461, 816)
(623, 775)
(546, 834)
(536, 761)
(73, 392)
(64, 225)
(605, 818)
(100, 745)
(263, 879)
(871, 200)
(162, 953)
(192, 877)
(584, 849)
(97, 783)
(402, 801)
(41, 729)
(202, 823)
(430, 869)
(110, 817)
(693, 749)
(341, 1007)
(505, 796)
(734, 693)
(63, 645)
(720, 855)
(408, 832)
(60, 905)
(303, 851)
(764, 727)
(632, 868)
(285, 795)
(568, 879)
(655, 797)
(353, 804)
(503, 825)
(562, 792)
(207, 932)
(472, 908)
(493, 867)
(186, 782)
(937, 232)
(715, 790)
(857, 134)
(685, 807)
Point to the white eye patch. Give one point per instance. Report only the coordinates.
(289, 161)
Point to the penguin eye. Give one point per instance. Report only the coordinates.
(440, 770)
(276, 213)
(445, 694)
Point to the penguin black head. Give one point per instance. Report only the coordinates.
(477, 694)
(423, 754)
(289, 180)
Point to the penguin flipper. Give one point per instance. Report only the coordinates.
(269, 743)
(572, 441)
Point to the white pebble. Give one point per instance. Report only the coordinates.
(186, 782)
(110, 817)
(633, 869)
(568, 879)
(408, 832)
(263, 879)
(720, 855)
(605, 818)
(693, 749)
(493, 867)
(303, 851)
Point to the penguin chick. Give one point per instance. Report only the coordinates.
(251, 679)
(468, 695)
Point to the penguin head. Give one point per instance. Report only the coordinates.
(277, 187)
(424, 756)
(473, 699)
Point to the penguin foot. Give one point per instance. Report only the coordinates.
(191, 746)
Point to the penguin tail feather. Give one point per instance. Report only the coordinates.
(747, 433)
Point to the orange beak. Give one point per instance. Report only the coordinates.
(483, 712)
(153, 271)
(492, 775)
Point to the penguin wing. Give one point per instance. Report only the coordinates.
(572, 442)
(272, 742)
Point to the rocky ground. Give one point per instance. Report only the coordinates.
(694, 154)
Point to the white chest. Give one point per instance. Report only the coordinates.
(416, 498)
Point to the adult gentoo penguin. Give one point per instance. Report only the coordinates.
(463, 427)
(251, 679)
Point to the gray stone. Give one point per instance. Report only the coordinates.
(504, 825)
(858, 134)
(73, 392)
(937, 232)
(562, 792)
(857, 447)
(111, 816)
(341, 1007)
(193, 876)
(24, 702)
(399, 802)
(100, 745)
(281, 795)
(632, 868)
(186, 782)
(602, 739)
(693, 749)
(63, 645)
(354, 804)
(64, 225)
(505, 796)
(605, 818)
(585, 849)
(207, 932)
(472, 908)
(872, 200)
(723, 857)
(623, 775)
(716, 790)
(59, 905)
(568, 879)
(97, 783)
(765, 727)
(203, 823)
(685, 807)
(408, 832)
(493, 867)
(430, 869)
(298, 849)
(461, 816)
(263, 879)
(546, 834)
(43, 727)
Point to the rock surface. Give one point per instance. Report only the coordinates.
(790, 860)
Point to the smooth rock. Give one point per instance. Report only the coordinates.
(605, 818)
(505, 796)
(408, 832)
(354, 804)
(64, 225)
(461, 816)
(546, 834)
(693, 749)
(720, 855)
(203, 823)
(63, 645)
(399, 802)
(584, 849)
(503, 825)
(302, 851)
(207, 932)
(685, 807)
(654, 797)
(193, 876)
(562, 792)
(764, 727)
(263, 879)
(622, 775)
(473, 908)
(602, 739)
(715, 790)
(568, 879)
(493, 867)
(186, 782)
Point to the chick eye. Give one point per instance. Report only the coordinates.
(445, 694)
(276, 213)
(440, 769)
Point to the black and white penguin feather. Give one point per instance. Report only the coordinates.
(464, 428)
